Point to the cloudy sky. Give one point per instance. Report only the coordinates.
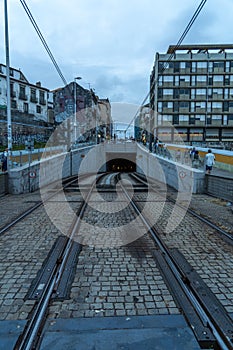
(111, 44)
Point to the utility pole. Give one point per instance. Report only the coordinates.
(9, 130)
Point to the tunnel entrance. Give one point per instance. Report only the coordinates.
(121, 162)
(122, 165)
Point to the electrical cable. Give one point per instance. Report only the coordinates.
(43, 41)
(165, 65)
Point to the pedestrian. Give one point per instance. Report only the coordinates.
(209, 161)
(196, 160)
(192, 152)
(4, 160)
(178, 155)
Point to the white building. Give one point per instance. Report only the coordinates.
(26, 98)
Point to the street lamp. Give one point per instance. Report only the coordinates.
(75, 108)
(9, 130)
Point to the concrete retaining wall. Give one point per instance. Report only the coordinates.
(93, 159)
(28, 179)
(181, 177)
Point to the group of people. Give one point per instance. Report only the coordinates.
(209, 159)
(194, 156)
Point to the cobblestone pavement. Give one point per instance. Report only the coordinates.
(110, 280)
(202, 246)
(23, 249)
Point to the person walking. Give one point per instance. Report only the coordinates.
(196, 160)
(209, 161)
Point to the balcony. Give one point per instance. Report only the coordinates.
(34, 99)
(23, 96)
(42, 101)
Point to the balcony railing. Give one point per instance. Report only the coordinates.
(23, 96)
(42, 101)
(34, 99)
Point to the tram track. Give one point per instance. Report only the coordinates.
(210, 333)
(30, 337)
(208, 222)
(203, 317)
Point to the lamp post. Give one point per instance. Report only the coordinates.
(75, 108)
(9, 130)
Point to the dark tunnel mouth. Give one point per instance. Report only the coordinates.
(120, 165)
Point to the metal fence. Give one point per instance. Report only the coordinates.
(220, 187)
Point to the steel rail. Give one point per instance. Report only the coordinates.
(30, 334)
(192, 212)
(33, 208)
(223, 341)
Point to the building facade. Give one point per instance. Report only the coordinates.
(191, 94)
(29, 108)
(93, 115)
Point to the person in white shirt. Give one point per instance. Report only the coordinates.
(209, 161)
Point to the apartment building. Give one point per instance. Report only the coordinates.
(30, 111)
(93, 115)
(191, 93)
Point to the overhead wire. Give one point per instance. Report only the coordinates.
(165, 65)
(27, 10)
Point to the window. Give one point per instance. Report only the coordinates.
(201, 92)
(210, 67)
(217, 91)
(200, 117)
(216, 117)
(167, 104)
(194, 66)
(33, 95)
(184, 104)
(42, 97)
(193, 93)
(182, 65)
(201, 78)
(218, 78)
(202, 64)
(193, 80)
(225, 106)
(160, 107)
(184, 92)
(176, 67)
(167, 118)
(22, 92)
(227, 67)
(13, 104)
(226, 80)
(201, 105)
(183, 118)
(217, 105)
(168, 79)
(25, 107)
(167, 91)
(38, 109)
(185, 78)
(219, 64)
(176, 93)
